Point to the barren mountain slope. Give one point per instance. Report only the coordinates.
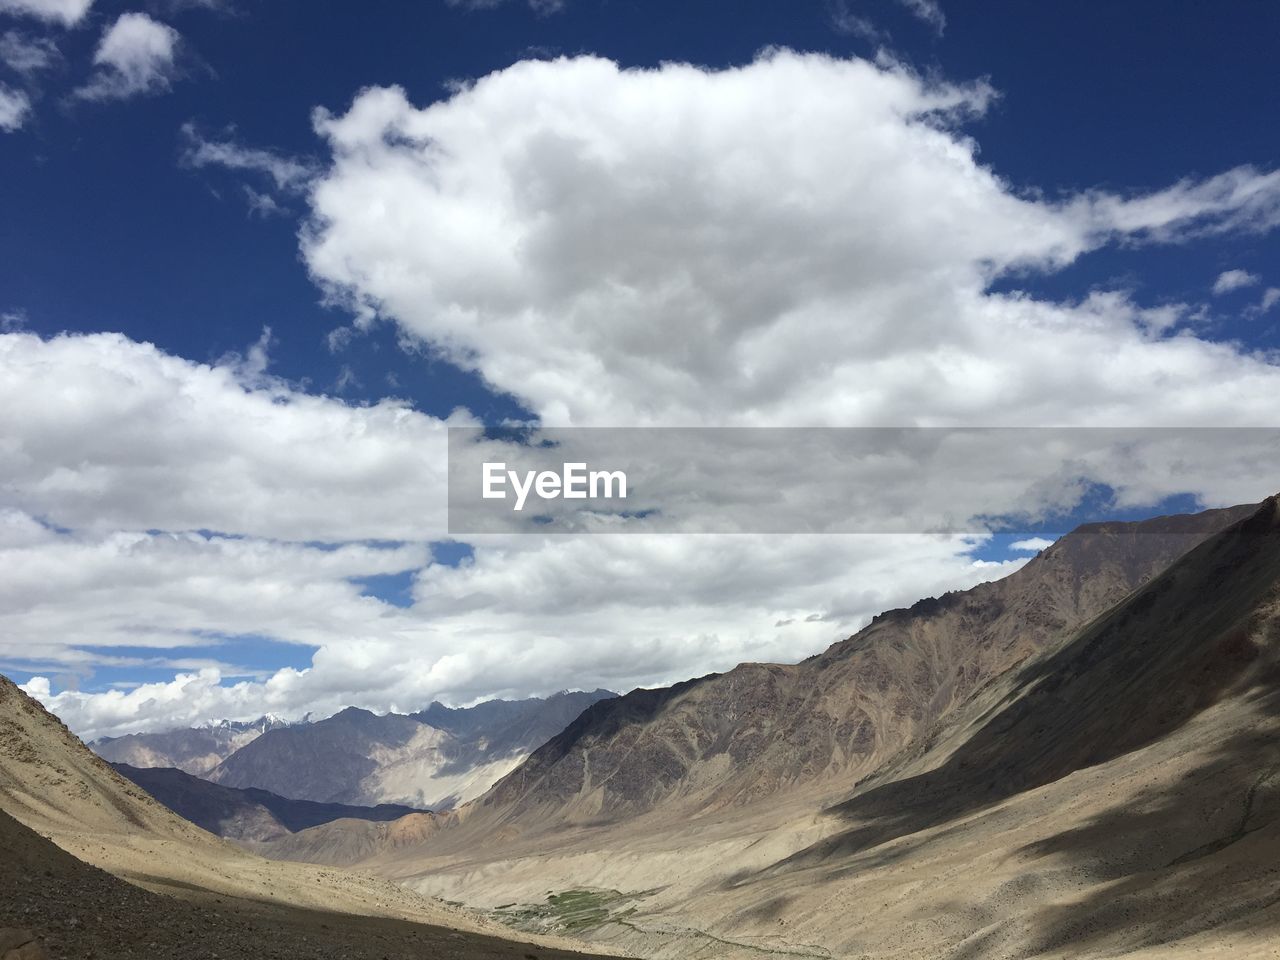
(1120, 797)
(1117, 796)
(763, 728)
(351, 841)
(69, 909)
(511, 726)
(53, 784)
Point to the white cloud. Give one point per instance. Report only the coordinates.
(529, 616)
(928, 12)
(136, 55)
(844, 20)
(218, 6)
(1269, 299)
(65, 591)
(15, 107)
(262, 205)
(1242, 199)
(11, 321)
(111, 438)
(108, 438)
(538, 6)
(66, 12)
(802, 240)
(104, 434)
(1230, 280)
(288, 174)
(1033, 544)
(25, 54)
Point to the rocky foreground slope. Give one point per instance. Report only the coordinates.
(64, 811)
(55, 906)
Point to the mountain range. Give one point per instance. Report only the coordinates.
(1078, 760)
(196, 750)
(432, 759)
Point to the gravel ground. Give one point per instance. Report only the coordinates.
(78, 912)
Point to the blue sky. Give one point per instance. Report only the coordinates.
(190, 199)
(105, 229)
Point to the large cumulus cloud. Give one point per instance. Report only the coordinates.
(802, 240)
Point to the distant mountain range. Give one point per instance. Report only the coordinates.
(195, 750)
(433, 759)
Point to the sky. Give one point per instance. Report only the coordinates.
(256, 256)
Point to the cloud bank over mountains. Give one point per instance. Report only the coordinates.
(798, 241)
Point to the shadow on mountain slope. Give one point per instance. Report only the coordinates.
(1198, 853)
(249, 815)
(74, 910)
(1205, 629)
(860, 708)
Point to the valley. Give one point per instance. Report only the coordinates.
(1079, 760)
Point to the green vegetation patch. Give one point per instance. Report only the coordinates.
(570, 911)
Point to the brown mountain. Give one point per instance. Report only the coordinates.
(761, 729)
(1082, 760)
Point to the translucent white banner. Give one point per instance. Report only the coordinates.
(856, 480)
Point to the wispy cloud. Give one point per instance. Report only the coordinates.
(218, 6)
(15, 107)
(136, 56)
(844, 20)
(66, 12)
(290, 174)
(927, 11)
(262, 204)
(1230, 280)
(1270, 297)
(25, 54)
(1033, 544)
(285, 174)
(538, 6)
